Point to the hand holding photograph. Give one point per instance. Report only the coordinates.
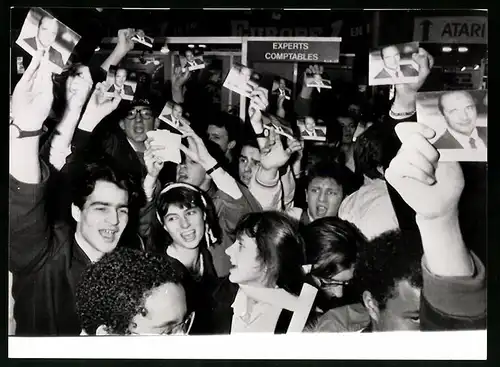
(393, 64)
(242, 80)
(41, 31)
(460, 119)
(309, 130)
(170, 142)
(120, 80)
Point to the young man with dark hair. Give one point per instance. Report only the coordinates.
(47, 259)
(223, 129)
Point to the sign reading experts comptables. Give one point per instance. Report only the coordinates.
(294, 51)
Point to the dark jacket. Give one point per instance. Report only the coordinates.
(319, 133)
(46, 264)
(54, 55)
(406, 70)
(218, 315)
(127, 89)
(447, 141)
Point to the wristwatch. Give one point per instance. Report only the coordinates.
(16, 132)
(263, 134)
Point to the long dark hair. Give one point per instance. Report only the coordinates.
(280, 248)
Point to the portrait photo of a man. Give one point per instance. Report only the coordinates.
(393, 64)
(309, 130)
(171, 115)
(460, 112)
(193, 62)
(41, 31)
(119, 81)
(459, 118)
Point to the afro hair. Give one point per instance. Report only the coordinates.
(113, 290)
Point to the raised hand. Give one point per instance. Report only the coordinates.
(99, 106)
(154, 164)
(125, 43)
(180, 77)
(430, 187)
(33, 96)
(274, 155)
(78, 87)
(197, 151)
(425, 62)
(258, 103)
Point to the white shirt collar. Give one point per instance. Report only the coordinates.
(464, 140)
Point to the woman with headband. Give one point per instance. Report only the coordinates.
(184, 226)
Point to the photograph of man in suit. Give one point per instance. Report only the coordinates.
(311, 129)
(191, 60)
(174, 117)
(45, 38)
(119, 84)
(392, 68)
(460, 112)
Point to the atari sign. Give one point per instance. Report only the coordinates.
(451, 30)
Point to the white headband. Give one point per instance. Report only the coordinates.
(209, 236)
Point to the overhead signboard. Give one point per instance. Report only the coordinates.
(295, 50)
(451, 30)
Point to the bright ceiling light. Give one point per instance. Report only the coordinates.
(463, 68)
(463, 49)
(191, 46)
(446, 49)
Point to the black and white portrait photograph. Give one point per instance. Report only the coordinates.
(242, 80)
(120, 80)
(310, 130)
(460, 120)
(41, 31)
(141, 38)
(171, 117)
(316, 81)
(192, 60)
(393, 64)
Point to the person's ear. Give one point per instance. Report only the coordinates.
(122, 125)
(76, 213)
(371, 305)
(380, 169)
(102, 330)
(231, 145)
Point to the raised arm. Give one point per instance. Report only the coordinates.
(198, 152)
(78, 87)
(123, 46)
(454, 295)
(28, 227)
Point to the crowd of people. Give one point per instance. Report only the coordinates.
(108, 239)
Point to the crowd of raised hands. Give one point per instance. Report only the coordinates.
(247, 233)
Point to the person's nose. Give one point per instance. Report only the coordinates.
(229, 250)
(338, 291)
(185, 223)
(112, 217)
(322, 196)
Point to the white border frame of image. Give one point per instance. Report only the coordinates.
(450, 155)
(20, 40)
(301, 126)
(372, 59)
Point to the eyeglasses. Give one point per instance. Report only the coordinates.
(145, 113)
(332, 282)
(181, 328)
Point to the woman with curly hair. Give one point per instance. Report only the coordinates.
(130, 292)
